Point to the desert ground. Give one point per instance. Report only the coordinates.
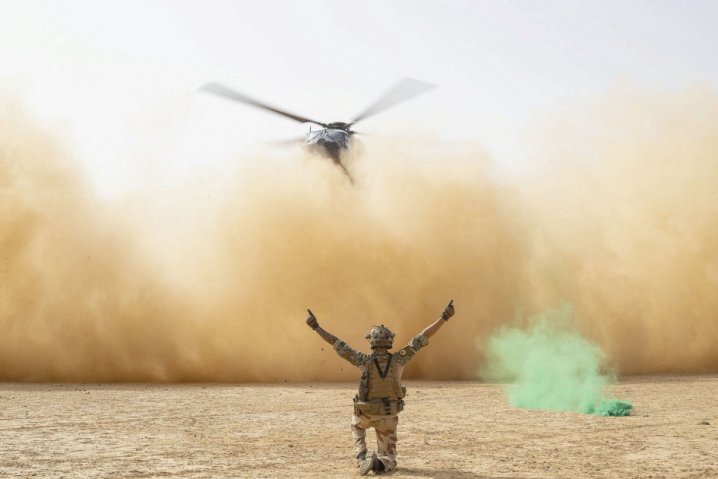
(462, 430)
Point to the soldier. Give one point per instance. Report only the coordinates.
(381, 395)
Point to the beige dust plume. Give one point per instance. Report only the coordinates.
(214, 287)
(76, 303)
(209, 282)
(626, 225)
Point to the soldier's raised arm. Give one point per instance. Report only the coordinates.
(343, 349)
(314, 324)
(436, 325)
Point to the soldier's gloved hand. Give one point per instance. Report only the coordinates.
(312, 320)
(448, 311)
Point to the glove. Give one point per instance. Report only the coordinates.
(448, 311)
(312, 320)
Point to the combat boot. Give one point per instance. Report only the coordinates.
(367, 464)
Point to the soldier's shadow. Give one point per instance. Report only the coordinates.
(438, 473)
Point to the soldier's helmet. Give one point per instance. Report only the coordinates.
(380, 337)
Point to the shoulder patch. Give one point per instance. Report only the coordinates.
(403, 352)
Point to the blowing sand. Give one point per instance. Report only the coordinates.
(448, 430)
(208, 281)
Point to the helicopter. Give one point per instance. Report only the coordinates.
(334, 138)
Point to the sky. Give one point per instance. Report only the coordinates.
(117, 82)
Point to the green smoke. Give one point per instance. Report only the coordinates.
(550, 366)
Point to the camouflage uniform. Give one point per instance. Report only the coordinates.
(384, 425)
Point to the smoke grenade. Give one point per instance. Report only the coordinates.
(548, 365)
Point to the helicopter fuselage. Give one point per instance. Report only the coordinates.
(330, 142)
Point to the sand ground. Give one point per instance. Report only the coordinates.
(449, 430)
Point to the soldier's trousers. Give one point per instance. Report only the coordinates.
(385, 428)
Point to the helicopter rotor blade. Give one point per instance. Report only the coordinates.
(405, 90)
(223, 91)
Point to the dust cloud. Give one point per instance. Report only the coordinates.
(210, 281)
(626, 225)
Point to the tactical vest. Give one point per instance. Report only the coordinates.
(380, 392)
(384, 381)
